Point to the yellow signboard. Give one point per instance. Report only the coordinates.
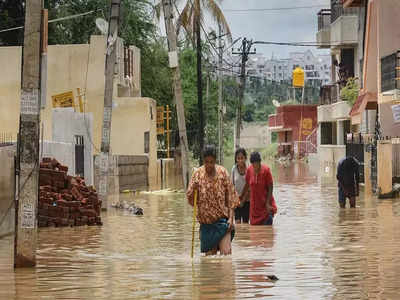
(307, 123)
(160, 120)
(63, 100)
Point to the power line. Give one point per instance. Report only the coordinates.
(304, 44)
(55, 20)
(273, 9)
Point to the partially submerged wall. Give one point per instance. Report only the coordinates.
(7, 188)
(133, 172)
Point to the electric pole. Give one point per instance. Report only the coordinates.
(29, 133)
(111, 58)
(220, 104)
(200, 92)
(174, 65)
(245, 51)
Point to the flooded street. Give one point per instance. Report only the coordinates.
(315, 249)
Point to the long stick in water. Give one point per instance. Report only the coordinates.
(194, 221)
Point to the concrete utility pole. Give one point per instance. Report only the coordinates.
(111, 58)
(174, 65)
(245, 51)
(29, 132)
(220, 104)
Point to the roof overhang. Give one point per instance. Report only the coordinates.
(351, 3)
(279, 129)
(365, 101)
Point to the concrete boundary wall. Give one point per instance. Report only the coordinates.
(66, 125)
(7, 188)
(169, 174)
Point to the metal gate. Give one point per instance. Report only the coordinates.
(374, 166)
(79, 156)
(355, 148)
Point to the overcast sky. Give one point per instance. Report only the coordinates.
(299, 25)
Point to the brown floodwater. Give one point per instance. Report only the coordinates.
(315, 249)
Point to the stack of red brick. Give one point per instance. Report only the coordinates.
(65, 200)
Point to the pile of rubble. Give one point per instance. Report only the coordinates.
(65, 200)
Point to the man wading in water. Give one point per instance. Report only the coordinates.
(348, 176)
(216, 203)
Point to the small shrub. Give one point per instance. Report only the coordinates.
(350, 92)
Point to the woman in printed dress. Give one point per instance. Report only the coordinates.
(216, 203)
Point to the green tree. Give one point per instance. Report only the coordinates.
(12, 14)
(191, 19)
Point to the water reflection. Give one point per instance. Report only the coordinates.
(317, 250)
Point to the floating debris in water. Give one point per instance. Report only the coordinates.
(131, 207)
(272, 277)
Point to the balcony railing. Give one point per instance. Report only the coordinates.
(328, 94)
(337, 10)
(324, 19)
(390, 72)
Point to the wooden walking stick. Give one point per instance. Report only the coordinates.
(194, 221)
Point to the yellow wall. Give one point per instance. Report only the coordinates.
(10, 87)
(71, 67)
(385, 166)
(132, 117)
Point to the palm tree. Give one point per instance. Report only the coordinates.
(191, 19)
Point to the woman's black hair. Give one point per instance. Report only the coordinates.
(242, 151)
(255, 157)
(209, 150)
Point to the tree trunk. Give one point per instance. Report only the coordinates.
(200, 92)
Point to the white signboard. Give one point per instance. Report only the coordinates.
(30, 102)
(396, 113)
(28, 216)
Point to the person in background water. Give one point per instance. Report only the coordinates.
(238, 176)
(348, 176)
(262, 202)
(216, 202)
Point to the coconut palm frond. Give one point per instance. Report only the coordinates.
(157, 8)
(185, 20)
(218, 15)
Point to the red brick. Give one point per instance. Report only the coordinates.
(62, 203)
(63, 168)
(76, 194)
(43, 212)
(67, 197)
(64, 212)
(51, 222)
(64, 222)
(92, 221)
(98, 221)
(53, 211)
(42, 221)
(84, 220)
